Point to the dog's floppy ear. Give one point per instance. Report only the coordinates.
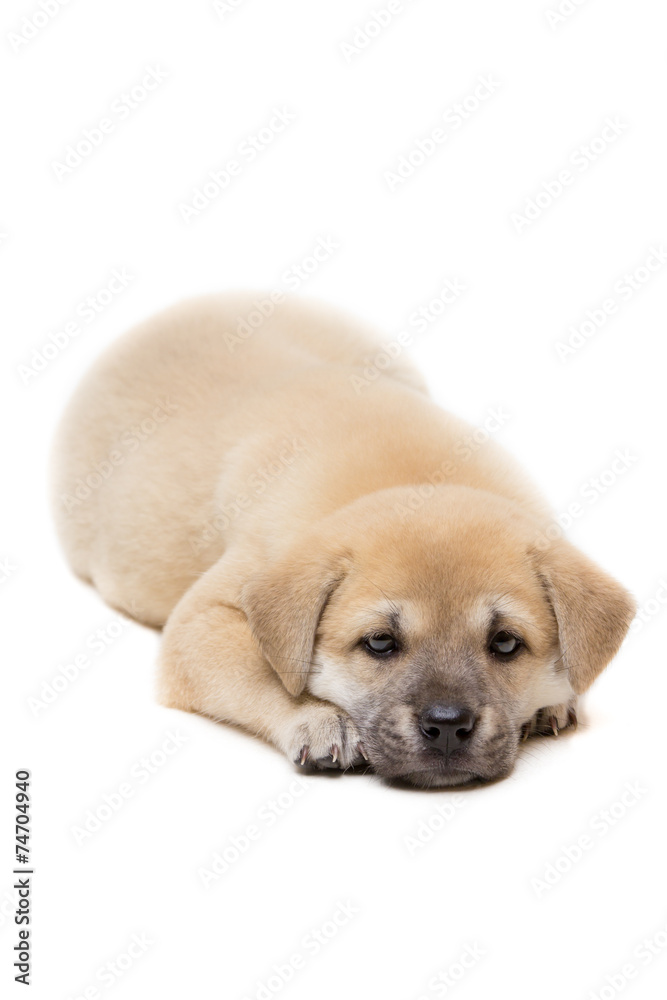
(284, 605)
(592, 610)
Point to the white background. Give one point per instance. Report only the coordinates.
(356, 111)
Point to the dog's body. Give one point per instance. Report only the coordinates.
(284, 514)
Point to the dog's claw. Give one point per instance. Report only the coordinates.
(360, 748)
(553, 722)
(328, 763)
(334, 754)
(572, 719)
(304, 755)
(525, 731)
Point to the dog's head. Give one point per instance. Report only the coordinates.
(440, 630)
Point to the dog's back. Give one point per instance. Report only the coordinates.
(140, 450)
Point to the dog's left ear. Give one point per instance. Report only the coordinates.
(284, 605)
(592, 610)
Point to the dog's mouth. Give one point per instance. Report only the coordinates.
(424, 767)
(435, 775)
(432, 778)
(445, 776)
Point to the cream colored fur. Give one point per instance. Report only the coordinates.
(258, 496)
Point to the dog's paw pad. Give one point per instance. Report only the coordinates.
(329, 763)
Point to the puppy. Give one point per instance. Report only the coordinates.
(335, 568)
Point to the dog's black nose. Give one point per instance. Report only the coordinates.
(446, 726)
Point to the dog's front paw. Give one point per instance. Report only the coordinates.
(325, 738)
(551, 721)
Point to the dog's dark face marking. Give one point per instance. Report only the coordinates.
(440, 676)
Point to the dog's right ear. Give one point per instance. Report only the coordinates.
(284, 605)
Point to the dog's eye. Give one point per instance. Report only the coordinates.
(381, 644)
(505, 644)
